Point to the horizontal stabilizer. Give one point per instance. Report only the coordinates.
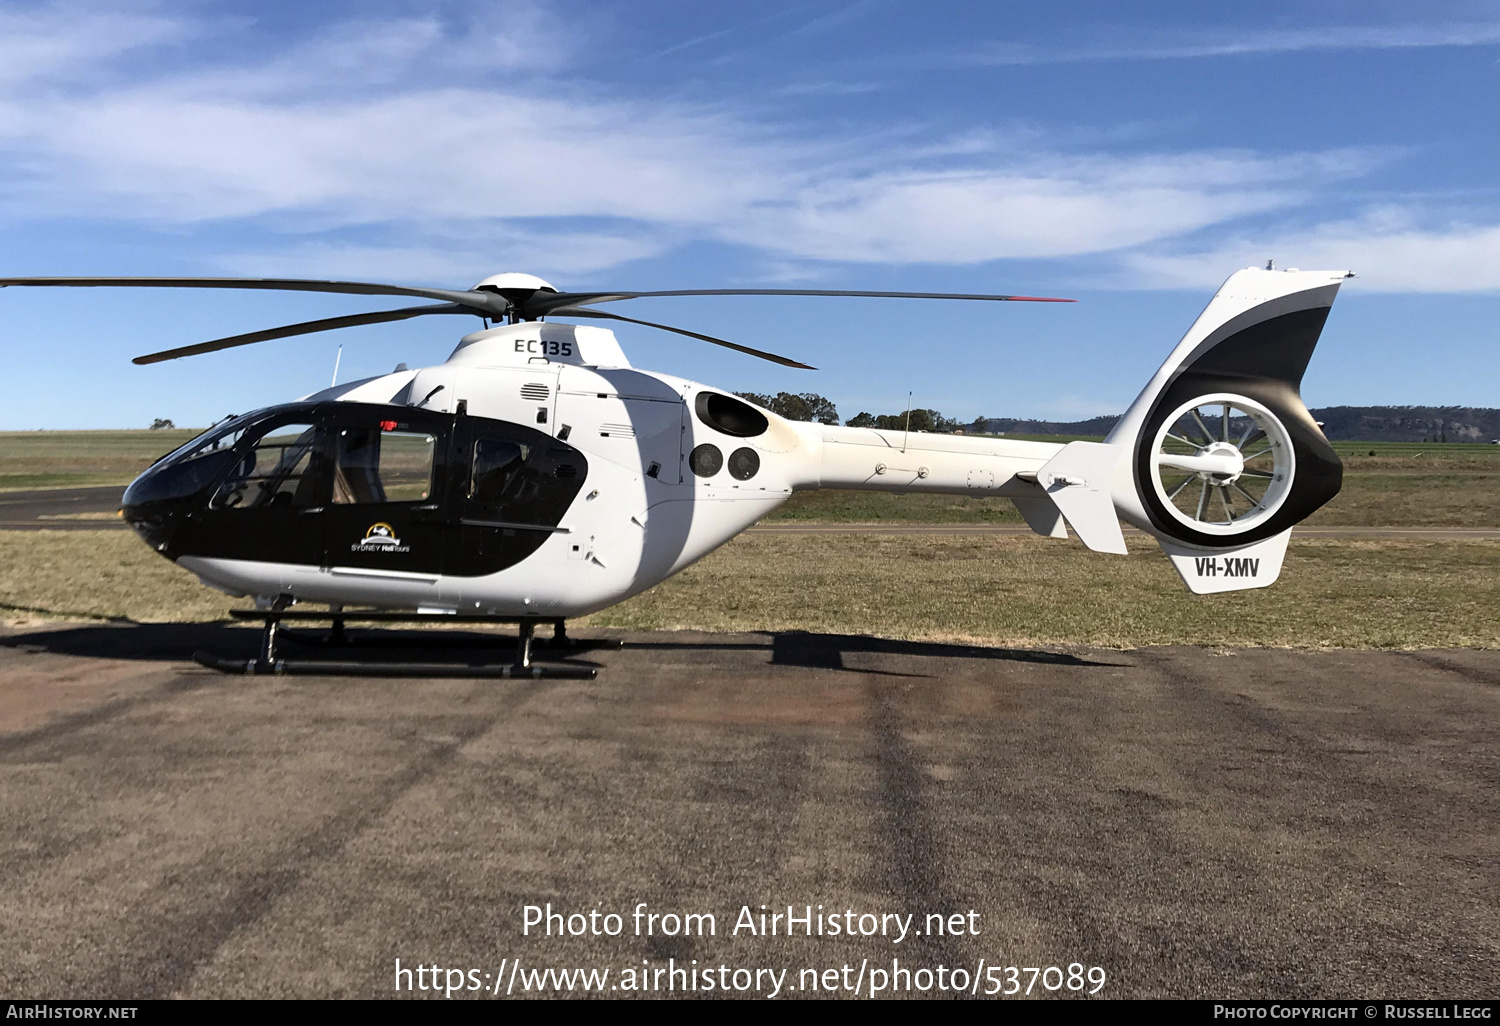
(1248, 566)
(1078, 481)
(1042, 516)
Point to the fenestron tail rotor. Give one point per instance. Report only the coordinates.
(516, 297)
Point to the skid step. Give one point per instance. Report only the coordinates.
(341, 668)
(270, 661)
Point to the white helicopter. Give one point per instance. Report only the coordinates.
(536, 476)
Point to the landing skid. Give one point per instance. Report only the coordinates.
(269, 661)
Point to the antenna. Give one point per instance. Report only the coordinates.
(906, 430)
(337, 357)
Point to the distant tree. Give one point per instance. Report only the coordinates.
(921, 420)
(944, 425)
(162, 424)
(805, 406)
(808, 406)
(980, 426)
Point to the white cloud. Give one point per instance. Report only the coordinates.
(159, 154)
(66, 40)
(365, 127)
(459, 261)
(167, 154)
(1046, 207)
(1387, 251)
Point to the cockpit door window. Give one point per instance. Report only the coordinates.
(276, 471)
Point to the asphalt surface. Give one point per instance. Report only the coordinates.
(93, 509)
(1209, 823)
(61, 509)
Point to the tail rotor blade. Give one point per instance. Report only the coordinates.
(601, 315)
(305, 328)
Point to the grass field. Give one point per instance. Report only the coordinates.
(998, 590)
(71, 459)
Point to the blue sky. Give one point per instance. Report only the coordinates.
(1127, 155)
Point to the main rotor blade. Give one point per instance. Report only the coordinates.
(600, 314)
(305, 328)
(544, 302)
(492, 304)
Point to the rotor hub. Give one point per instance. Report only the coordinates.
(517, 288)
(514, 281)
(1231, 463)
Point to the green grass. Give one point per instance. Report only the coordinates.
(986, 589)
(1435, 451)
(76, 459)
(1462, 499)
(1059, 439)
(27, 482)
(837, 506)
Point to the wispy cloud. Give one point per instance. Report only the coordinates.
(457, 258)
(65, 40)
(1386, 247)
(840, 16)
(1044, 206)
(1184, 46)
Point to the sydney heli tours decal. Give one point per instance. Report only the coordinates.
(380, 538)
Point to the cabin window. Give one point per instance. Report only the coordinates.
(382, 463)
(706, 460)
(496, 473)
(275, 471)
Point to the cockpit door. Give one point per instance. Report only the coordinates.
(264, 509)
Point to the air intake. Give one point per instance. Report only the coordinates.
(729, 415)
(535, 392)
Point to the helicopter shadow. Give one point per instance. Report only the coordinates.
(176, 642)
(817, 651)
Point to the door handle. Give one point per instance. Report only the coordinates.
(311, 509)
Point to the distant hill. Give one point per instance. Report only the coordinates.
(1410, 423)
(1009, 426)
(1344, 423)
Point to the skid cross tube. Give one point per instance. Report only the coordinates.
(269, 660)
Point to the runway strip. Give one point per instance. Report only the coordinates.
(62, 509)
(1203, 823)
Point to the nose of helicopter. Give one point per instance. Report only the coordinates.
(158, 505)
(154, 522)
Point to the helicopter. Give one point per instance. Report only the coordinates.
(536, 476)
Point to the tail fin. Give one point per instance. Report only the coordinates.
(1218, 457)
